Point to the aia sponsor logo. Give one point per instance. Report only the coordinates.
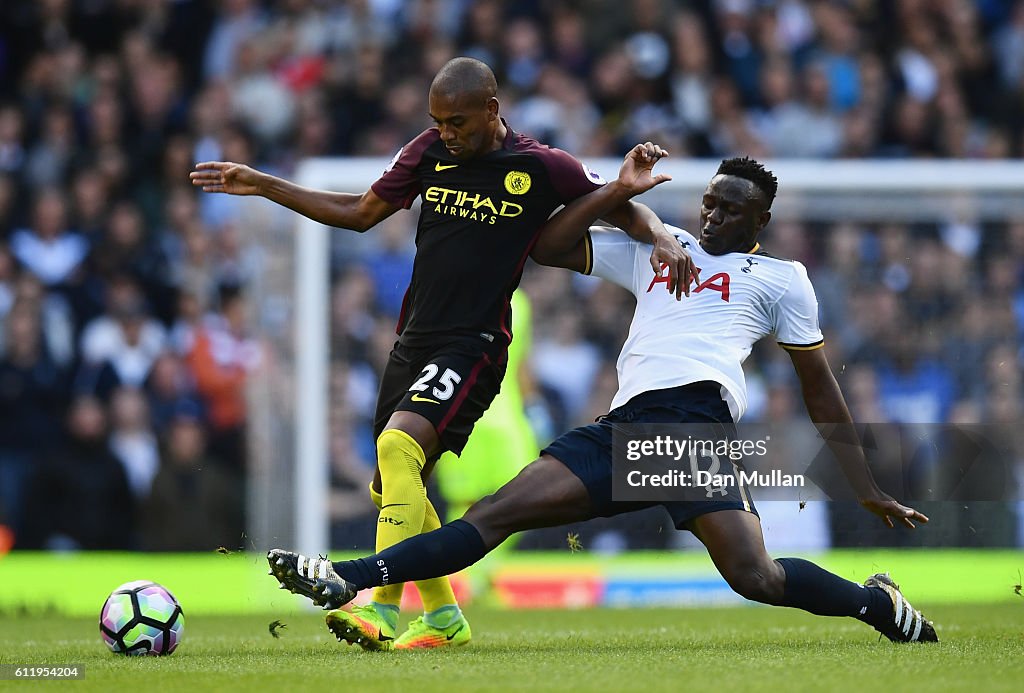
(716, 282)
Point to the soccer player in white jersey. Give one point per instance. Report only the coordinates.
(680, 364)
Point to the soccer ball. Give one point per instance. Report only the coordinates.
(142, 618)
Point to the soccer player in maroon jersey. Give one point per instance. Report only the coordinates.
(486, 192)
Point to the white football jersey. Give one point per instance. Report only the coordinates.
(741, 298)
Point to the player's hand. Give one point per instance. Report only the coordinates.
(668, 252)
(889, 509)
(636, 174)
(226, 177)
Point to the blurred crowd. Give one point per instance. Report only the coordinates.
(126, 337)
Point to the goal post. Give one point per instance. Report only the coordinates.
(867, 191)
(312, 294)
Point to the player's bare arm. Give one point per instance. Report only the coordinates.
(358, 212)
(642, 224)
(826, 405)
(561, 243)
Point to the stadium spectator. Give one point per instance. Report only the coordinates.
(913, 386)
(259, 99)
(389, 265)
(692, 80)
(12, 150)
(120, 346)
(8, 276)
(564, 361)
(54, 314)
(78, 496)
(32, 390)
(48, 248)
(221, 357)
(194, 504)
(126, 249)
(353, 516)
(798, 127)
(195, 275)
(239, 20)
(169, 387)
(89, 201)
(354, 301)
(132, 439)
(49, 159)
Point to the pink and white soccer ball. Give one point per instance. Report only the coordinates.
(142, 618)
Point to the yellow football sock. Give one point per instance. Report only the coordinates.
(400, 461)
(435, 592)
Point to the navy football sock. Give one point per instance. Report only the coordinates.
(812, 588)
(444, 551)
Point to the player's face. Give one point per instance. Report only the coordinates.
(731, 215)
(467, 123)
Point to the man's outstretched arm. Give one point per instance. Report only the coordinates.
(343, 210)
(561, 243)
(826, 405)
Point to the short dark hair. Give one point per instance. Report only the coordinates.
(753, 171)
(228, 292)
(465, 76)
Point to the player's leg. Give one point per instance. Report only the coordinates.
(736, 545)
(449, 392)
(436, 593)
(402, 451)
(404, 440)
(570, 482)
(478, 472)
(442, 622)
(399, 493)
(363, 625)
(377, 621)
(545, 494)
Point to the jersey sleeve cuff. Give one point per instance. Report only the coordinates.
(803, 347)
(588, 249)
(391, 198)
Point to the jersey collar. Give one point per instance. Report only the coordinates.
(509, 135)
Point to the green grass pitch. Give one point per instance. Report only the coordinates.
(723, 649)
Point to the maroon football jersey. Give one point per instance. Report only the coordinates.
(478, 221)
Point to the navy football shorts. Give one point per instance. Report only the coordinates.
(587, 450)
